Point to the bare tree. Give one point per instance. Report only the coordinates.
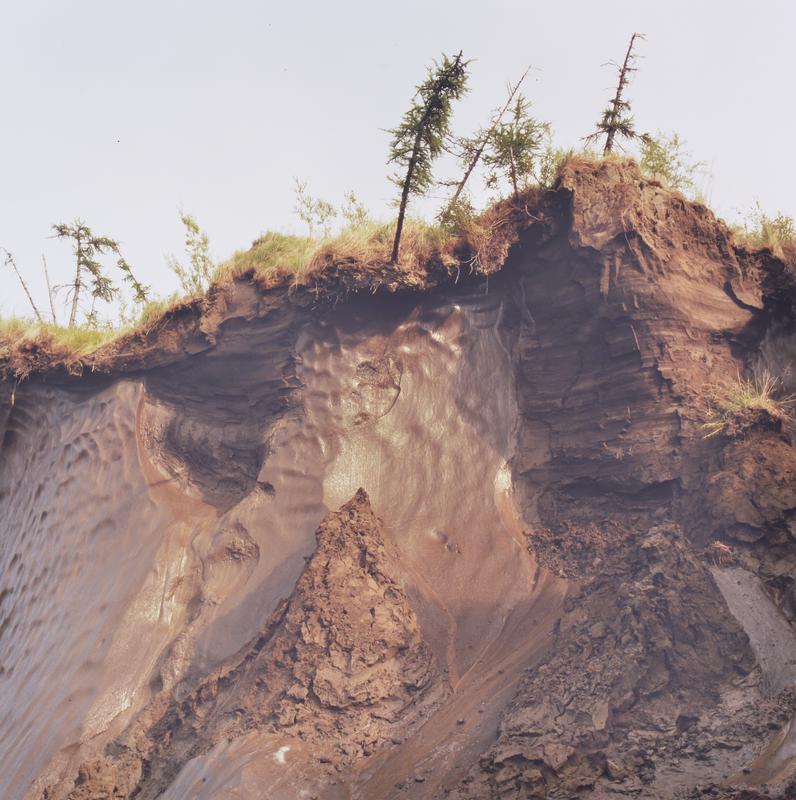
(616, 119)
(49, 289)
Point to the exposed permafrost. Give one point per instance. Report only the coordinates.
(170, 622)
(771, 635)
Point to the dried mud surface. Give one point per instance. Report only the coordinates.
(456, 537)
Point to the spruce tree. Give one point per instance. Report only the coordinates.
(420, 138)
(89, 272)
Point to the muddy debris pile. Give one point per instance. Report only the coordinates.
(341, 664)
(642, 652)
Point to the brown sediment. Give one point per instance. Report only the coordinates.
(535, 606)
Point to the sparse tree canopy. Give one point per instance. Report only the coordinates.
(471, 149)
(666, 159)
(312, 210)
(420, 138)
(89, 273)
(354, 211)
(196, 276)
(616, 120)
(514, 147)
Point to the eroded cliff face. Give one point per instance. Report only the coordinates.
(450, 537)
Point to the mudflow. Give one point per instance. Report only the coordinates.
(443, 535)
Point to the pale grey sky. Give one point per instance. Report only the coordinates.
(121, 111)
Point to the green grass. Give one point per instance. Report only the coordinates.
(759, 393)
(368, 243)
(78, 340)
(365, 244)
(761, 230)
(22, 334)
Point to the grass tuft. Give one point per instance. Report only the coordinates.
(368, 243)
(778, 233)
(80, 340)
(761, 392)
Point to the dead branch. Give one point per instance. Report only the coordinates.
(9, 261)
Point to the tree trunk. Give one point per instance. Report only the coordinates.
(49, 289)
(10, 260)
(479, 152)
(513, 173)
(616, 102)
(609, 142)
(73, 313)
(405, 193)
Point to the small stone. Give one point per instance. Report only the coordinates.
(460, 721)
(419, 779)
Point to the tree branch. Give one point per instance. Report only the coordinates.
(9, 260)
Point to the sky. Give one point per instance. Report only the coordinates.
(121, 113)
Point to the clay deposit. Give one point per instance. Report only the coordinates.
(449, 534)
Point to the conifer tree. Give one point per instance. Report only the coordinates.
(473, 148)
(89, 272)
(420, 138)
(514, 146)
(616, 119)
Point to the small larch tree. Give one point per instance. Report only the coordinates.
(421, 136)
(313, 211)
(514, 147)
(665, 158)
(472, 148)
(90, 275)
(196, 276)
(616, 120)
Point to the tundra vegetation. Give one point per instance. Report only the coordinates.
(731, 404)
(514, 153)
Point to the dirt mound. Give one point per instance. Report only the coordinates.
(643, 650)
(340, 664)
